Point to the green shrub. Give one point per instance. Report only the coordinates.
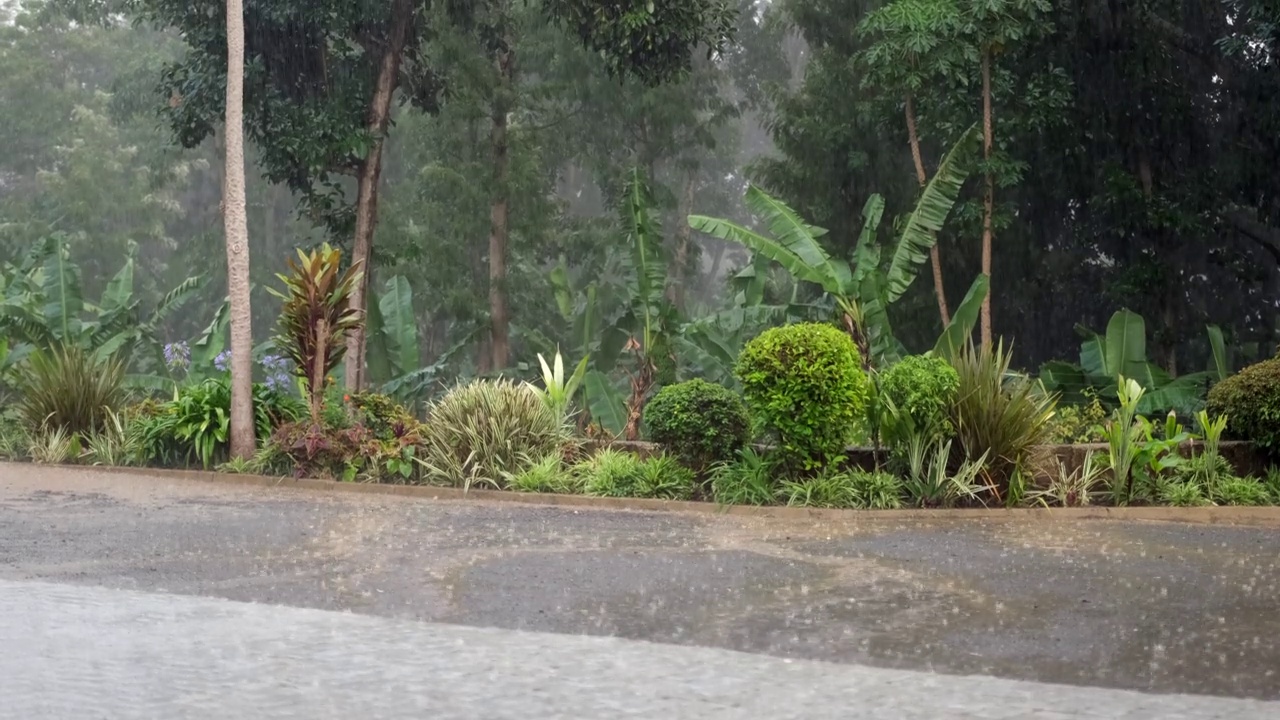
(65, 387)
(1073, 424)
(194, 427)
(877, 490)
(318, 451)
(804, 385)
(14, 440)
(485, 431)
(1002, 416)
(1240, 491)
(547, 475)
(52, 445)
(115, 444)
(845, 489)
(747, 480)
(610, 473)
(1250, 400)
(664, 478)
(1182, 494)
(921, 388)
(382, 416)
(699, 422)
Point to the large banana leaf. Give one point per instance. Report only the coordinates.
(1218, 347)
(960, 329)
(119, 291)
(1184, 394)
(1126, 348)
(648, 277)
(62, 297)
(930, 214)
(866, 256)
(400, 326)
(801, 255)
(793, 233)
(378, 356)
(1066, 379)
(605, 402)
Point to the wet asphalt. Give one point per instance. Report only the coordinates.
(1158, 608)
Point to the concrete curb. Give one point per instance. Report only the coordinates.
(1264, 516)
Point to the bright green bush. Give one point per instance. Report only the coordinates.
(483, 432)
(701, 423)
(664, 478)
(1251, 401)
(922, 389)
(547, 475)
(195, 426)
(805, 386)
(65, 387)
(1240, 491)
(844, 489)
(1074, 424)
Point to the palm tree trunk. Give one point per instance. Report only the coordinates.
(369, 176)
(236, 227)
(935, 258)
(988, 199)
(499, 226)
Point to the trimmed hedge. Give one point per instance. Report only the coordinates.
(1251, 401)
(701, 423)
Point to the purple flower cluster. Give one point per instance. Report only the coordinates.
(223, 361)
(177, 355)
(279, 373)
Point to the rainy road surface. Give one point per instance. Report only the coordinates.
(136, 597)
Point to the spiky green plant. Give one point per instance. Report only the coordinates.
(483, 432)
(1240, 491)
(558, 391)
(1001, 416)
(747, 480)
(65, 387)
(1124, 434)
(664, 478)
(610, 473)
(545, 475)
(316, 316)
(53, 445)
(1072, 487)
(115, 443)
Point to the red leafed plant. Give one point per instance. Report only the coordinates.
(316, 316)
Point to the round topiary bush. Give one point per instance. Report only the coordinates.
(804, 384)
(701, 423)
(921, 389)
(1251, 401)
(486, 431)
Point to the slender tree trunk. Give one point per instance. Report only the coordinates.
(988, 198)
(236, 227)
(935, 257)
(370, 174)
(679, 273)
(499, 227)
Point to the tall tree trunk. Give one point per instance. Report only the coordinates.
(236, 227)
(988, 198)
(935, 257)
(499, 228)
(679, 273)
(370, 174)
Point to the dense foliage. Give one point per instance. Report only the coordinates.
(805, 387)
(66, 388)
(699, 422)
(1250, 400)
(921, 389)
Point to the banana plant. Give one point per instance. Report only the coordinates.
(863, 289)
(1122, 352)
(394, 349)
(42, 305)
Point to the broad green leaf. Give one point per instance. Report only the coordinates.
(120, 290)
(1093, 358)
(796, 235)
(605, 402)
(378, 356)
(930, 214)
(1184, 395)
(1126, 345)
(1064, 378)
(866, 256)
(400, 325)
(960, 330)
(63, 301)
(1221, 368)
